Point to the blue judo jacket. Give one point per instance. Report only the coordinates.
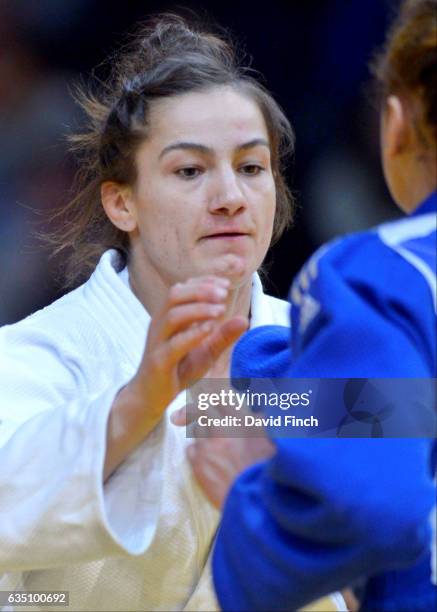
(324, 513)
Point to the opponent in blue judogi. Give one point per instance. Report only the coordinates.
(324, 512)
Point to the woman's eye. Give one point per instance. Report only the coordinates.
(188, 173)
(252, 169)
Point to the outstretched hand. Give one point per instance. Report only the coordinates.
(185, 339)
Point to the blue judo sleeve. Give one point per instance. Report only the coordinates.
(318, 516)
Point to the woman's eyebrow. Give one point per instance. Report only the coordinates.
(254, 143)
(200, 148)
(192, 146)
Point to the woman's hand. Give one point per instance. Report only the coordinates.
(216, 462)
(184, 340)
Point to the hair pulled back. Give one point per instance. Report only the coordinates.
(167, 56)
(408, 62)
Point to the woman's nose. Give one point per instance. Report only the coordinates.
(227, 196)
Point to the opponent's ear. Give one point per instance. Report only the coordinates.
(395, 127)
(117, 202)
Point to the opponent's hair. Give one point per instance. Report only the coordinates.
(408, 62)
(167, 56)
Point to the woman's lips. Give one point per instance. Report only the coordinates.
(225, 236)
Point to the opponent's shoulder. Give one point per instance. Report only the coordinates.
(414, 241)
(385, 243)
(348, 253)
(421, 228)
(384, 260)
(360, 284)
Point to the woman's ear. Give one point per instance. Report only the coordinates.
(395, 127)
(117, 202)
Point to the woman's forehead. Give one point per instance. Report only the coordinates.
(213, 115)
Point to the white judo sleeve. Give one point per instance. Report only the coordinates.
(54, 508)
(52, 502)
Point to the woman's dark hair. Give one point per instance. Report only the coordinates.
(408, 62)
(168, 56)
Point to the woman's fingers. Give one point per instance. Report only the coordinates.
(199, 360)
(182, 343)
(201, 345)
(179, 417)
(221, 338)
(221, 280)
(210, 480)
(182, 316)
(184, 416)
(188, 303)
(225, 335)
(216, 462)
(202, 289)
(186, 337)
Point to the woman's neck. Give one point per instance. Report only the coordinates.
(238, 304)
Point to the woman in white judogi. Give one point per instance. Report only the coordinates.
(182, 193)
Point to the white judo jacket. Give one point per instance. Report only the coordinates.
(141, 540)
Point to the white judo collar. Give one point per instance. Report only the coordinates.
(123, 316)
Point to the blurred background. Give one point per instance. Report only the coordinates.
(314, 55)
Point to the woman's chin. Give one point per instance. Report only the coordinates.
(233, 267)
